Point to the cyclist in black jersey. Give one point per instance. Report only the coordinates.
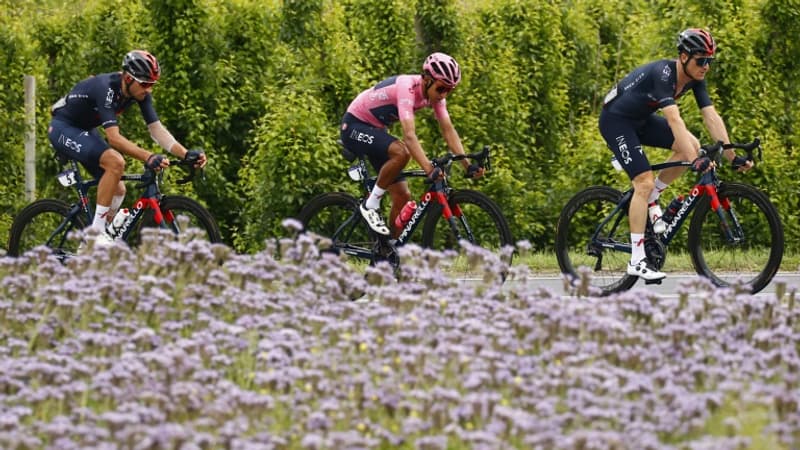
(629, 120)
(97, 101)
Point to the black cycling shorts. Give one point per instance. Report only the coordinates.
(84, 146)
(626, 136)
(364, 139)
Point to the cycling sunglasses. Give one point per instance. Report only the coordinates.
(704, 61)
(145, 84)
(444, 89)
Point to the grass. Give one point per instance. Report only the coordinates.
(545, 263)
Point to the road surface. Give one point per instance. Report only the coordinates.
(668, 287)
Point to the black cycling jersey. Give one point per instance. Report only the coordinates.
(649, 88)
(98, 101)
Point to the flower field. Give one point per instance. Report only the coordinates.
(193, 346)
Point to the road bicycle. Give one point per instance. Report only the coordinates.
(51, 222)
(735, 234)
(449, 215)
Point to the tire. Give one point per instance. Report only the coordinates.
(756, 258)
(329, 216)
(36, 225)
(181, 214)
(575, 250)
(478, 219)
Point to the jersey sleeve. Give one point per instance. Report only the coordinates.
(103, 95)
(405, 98)
(148, 110)
(700, 91)
(663, 89)
(440, 110)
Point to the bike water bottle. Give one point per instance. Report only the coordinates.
(405, 214)
(615, 163)
(119, 220)
(672, 209)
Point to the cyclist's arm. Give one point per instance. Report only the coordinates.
(683, 139)
(165, 140)
(414, 147)
(451, 137)
(716, 128)
(120, 143)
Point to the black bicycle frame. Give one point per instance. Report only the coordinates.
(437, 193)
(433, 195)
(707, 185)
(149, 199)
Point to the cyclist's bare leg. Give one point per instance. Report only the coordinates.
(671, 174)
(643, 184)
(118, 198)
(113, 165)
(398, 158)
(400, 194)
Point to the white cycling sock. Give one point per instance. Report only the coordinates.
(660, 187)
(100, 217)
(637, 248)
(374, 200)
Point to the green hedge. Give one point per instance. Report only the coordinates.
(262, 85)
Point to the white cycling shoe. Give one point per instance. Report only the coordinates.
(374, 220)
(645, 271)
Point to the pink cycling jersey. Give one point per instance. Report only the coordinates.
(393, 99)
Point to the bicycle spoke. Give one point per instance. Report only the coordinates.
(477, 220)
(590, 238)
(333, 216)
(741, 244)
(44, 223)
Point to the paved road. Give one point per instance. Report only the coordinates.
(670, 285)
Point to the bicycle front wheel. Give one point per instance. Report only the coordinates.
(747, 246)
(181, 214)
(591, 235)
(476, 219)
(46, 222)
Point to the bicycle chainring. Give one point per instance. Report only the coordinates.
(656, 251)
(384, 250)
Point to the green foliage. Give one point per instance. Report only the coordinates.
(438, 26)
(295, 151)
(261, 87)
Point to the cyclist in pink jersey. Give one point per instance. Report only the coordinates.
(364, 131)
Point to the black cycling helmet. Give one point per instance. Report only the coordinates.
(696, 40)
(142, 66)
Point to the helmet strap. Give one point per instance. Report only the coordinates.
(428, 82)
(127, 91)
(684, 64)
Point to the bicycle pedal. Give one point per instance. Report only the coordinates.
(653, 281)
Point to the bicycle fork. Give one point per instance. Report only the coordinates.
(735, 234)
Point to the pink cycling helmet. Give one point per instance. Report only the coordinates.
(442, 67)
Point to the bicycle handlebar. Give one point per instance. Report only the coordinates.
(481, 159)
(188, 164)
(714, 150)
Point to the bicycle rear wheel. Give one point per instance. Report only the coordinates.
(333, 215)
(477, 219)
(182, 214)
(46, 222)
(588, 214)
(755, 253)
